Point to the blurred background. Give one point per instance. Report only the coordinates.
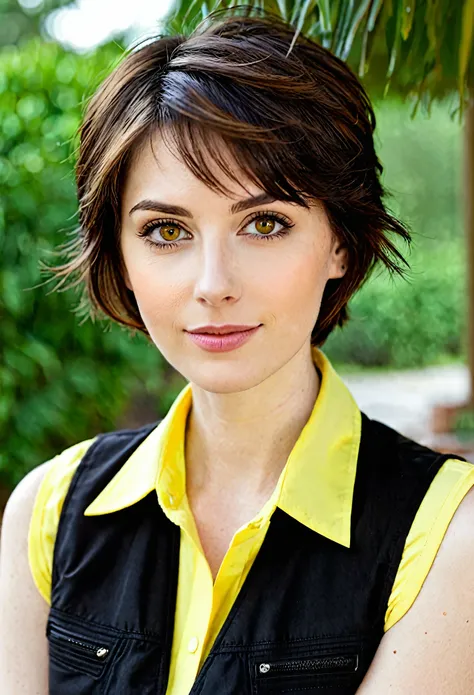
(406, 347)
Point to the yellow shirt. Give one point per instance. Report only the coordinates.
(326, 452)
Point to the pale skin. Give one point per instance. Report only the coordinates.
(218, 273)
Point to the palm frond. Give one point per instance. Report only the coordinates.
(427, 44)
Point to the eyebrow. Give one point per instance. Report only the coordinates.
(241, 205)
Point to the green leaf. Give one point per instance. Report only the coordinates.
(342, 23)
(408, 16)
(369, 28)
(363, 10)
(394, 36)
(282, 6)
(300, 13)
(325, 10)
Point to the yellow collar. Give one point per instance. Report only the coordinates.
(316, 485)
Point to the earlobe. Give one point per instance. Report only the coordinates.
(340, 262)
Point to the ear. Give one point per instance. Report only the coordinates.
(339, 261)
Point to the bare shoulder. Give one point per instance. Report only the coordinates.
(20, 503)
(23, 611)
(429, 651)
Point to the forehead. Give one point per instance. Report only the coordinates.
(156, 164)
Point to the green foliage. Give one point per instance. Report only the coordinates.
(419, 320)
(422, 159)
(405, 324)
(60, 382)
(423, 46)
(19, 23)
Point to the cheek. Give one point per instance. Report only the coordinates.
(159, 288)
(160, 299)
(295, 285)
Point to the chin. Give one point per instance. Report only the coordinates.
(225, 378)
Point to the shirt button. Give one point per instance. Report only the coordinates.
(171, 500)
(193, 645)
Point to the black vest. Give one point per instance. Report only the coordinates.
(307, 620)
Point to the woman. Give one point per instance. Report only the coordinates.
(266, 536)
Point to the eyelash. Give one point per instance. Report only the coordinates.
(155, 224)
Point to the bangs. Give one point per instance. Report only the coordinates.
(216, 131)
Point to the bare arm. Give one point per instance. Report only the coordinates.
(23, 611)
(430, 651)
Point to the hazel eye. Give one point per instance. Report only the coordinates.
(169, 232)
(268, 226)
(265, 225)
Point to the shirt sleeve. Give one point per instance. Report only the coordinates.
(453, 480)
(46, 512)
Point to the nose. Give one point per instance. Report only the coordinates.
(218, 279)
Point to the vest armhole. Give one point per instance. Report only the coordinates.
(452, 482)
(47, 511)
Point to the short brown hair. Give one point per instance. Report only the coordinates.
(297, 122)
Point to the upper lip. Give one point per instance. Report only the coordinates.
(225, 328)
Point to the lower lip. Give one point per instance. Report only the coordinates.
(222, 343)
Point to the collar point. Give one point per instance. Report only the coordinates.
(92, 511)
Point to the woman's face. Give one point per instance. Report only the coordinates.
(219, 265)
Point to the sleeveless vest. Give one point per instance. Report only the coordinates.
(307, 620)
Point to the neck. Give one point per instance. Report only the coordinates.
(241, 441)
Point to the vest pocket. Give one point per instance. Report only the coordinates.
(303, 673)
(77, 649)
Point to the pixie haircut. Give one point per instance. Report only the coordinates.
(293, 117)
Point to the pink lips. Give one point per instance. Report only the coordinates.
(224, 342)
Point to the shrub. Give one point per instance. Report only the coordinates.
(410, 323)
(60, 382)
(421, 320)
